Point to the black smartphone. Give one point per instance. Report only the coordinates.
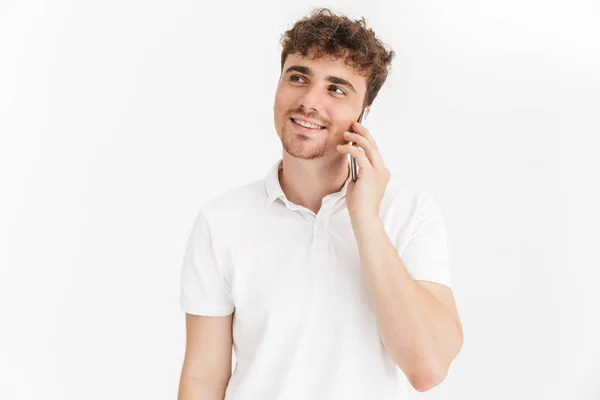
(353, 165)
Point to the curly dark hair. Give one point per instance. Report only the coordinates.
(337, 35)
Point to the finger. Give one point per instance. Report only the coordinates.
(364, 143)
(370, 149)
(361, 130)
(358, 154)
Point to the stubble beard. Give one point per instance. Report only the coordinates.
(302, 146)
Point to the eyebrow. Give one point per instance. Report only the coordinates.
(333, 79)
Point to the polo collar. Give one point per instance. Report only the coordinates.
(273, 187)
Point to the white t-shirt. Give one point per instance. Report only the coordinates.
(303, 327)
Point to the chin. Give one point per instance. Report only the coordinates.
(303, 149)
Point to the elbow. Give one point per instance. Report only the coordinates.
(431, 377)
(426, 381)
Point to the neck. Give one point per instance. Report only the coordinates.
(306, 182)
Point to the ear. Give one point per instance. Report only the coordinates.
(368, 110)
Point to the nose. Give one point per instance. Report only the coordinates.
(313, 99)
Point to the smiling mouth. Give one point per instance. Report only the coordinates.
(305, 128)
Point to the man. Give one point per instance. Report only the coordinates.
(322, 285)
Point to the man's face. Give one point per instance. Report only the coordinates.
(323, 91)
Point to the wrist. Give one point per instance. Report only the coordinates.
(365, 226)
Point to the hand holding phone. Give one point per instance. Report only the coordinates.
(353, 165)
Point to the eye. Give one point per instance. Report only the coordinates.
(335, 87)
(295, 76)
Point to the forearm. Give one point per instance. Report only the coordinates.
(420, 334)
(193, 388)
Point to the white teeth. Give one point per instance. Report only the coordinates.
(307, 125)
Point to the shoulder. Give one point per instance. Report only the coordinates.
(230, 205)
(405, 197)
(403, 204)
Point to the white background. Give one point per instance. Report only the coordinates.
(119, 119)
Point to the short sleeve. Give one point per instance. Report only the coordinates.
(426, 254)
(203, 288)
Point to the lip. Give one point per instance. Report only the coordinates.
(303, 129)
(309, 121)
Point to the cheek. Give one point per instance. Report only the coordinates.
(338, 122)
(281, 106)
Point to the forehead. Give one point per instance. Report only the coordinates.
(327, 65)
